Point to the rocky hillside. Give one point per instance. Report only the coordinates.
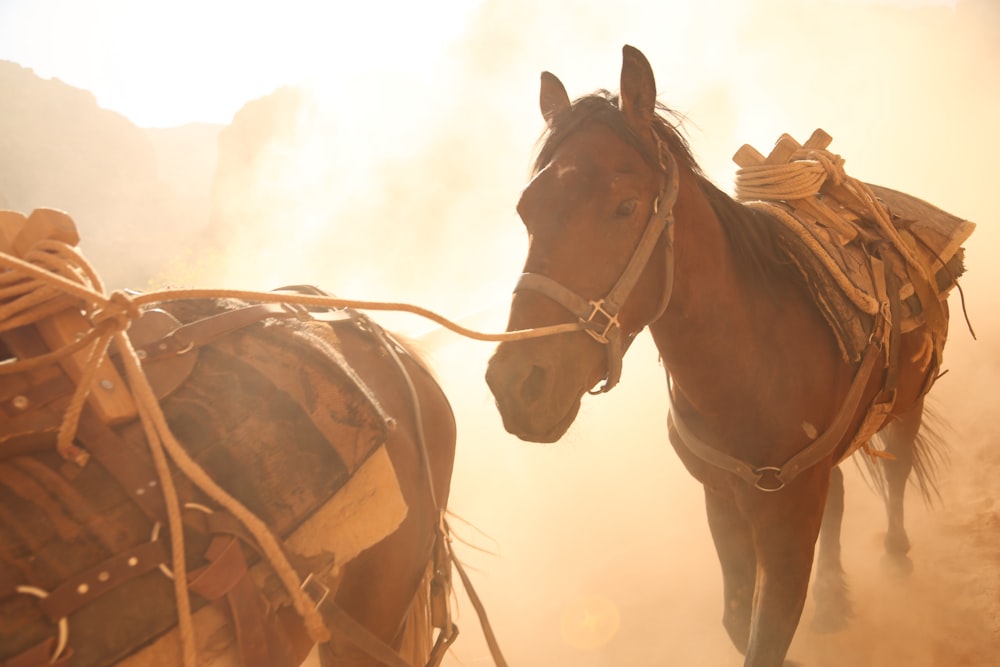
(138, 196)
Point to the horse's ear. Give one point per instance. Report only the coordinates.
(638, 89)
(552, 98)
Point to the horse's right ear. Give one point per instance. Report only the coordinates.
(638, 90)
(553, 98)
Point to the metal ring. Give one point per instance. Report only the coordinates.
(62, 623)
(155, 534)
(777, 476)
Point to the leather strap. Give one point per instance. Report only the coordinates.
(228, 576)
(134, 471)
(204, 331)
(812, 454)
(888, 393)
(82, 589)
(40, 655)
(343, 623)
(226, 566)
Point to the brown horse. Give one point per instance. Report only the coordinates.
(763, 404)
(285, 409)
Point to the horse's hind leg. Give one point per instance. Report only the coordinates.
(734, 544)
(900, 437)
(833, 605)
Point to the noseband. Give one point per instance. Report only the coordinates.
(599, 317)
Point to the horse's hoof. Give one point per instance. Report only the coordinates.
(897, 543)
(897, 564)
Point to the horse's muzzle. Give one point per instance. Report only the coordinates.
(527, 397)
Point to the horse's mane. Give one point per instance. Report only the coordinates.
(755, 239)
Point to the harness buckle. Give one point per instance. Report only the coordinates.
(315, 589)
(610, 323)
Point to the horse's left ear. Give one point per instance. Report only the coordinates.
(638, 89)
(553, 97)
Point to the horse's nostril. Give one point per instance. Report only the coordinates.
(533, 385)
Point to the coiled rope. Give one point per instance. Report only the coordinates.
(803, 177)
(53, 276)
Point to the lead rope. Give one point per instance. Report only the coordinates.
(54, 276)
(356, 304)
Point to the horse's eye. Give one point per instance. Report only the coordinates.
(626, 208)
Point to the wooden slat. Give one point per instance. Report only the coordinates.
(748, 156)
(110, 397)
(783, 150)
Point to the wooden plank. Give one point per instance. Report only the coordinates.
(784, 148)
(818, 140)
(748, 156)
(11, 224)
(45, 224)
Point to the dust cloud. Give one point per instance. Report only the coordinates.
(595, 551)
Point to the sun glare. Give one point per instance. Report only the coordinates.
(190, 61)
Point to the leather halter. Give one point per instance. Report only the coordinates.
(599, 317)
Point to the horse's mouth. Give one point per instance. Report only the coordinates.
(538, 386)
(537, 414)
(531, 428)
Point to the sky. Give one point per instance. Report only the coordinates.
(166, 64)
(436, 106)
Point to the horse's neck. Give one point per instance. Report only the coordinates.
(721, 332)
(693, 336)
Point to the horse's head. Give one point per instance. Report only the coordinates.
(599, 222)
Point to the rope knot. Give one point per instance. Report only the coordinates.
(832, 164)
(118, 311)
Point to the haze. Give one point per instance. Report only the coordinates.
(401, 186)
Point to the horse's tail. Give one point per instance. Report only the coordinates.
(930, 456)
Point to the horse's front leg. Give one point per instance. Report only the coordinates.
(734, 545)
(785, 524)
(833, 604)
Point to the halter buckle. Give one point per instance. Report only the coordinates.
(611, 322)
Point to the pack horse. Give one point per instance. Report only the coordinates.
(306, 451)
(793, 325)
